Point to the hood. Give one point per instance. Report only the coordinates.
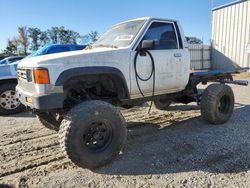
(86, 55)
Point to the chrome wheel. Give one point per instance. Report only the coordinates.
(9, 100)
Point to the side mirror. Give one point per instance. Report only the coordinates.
(147, 44)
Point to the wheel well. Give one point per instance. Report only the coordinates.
(8, 81)
(99, 86)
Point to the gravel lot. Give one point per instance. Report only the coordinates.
(164, 149)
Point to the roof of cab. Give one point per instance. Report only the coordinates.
(147, 18)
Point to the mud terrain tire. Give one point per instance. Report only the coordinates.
(93, 134)
(217, 103)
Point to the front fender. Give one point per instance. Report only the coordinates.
(84, 71)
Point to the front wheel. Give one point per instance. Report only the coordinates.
(9, 102)
(93, 134)
(217, 103)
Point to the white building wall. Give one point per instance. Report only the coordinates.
(231, 35)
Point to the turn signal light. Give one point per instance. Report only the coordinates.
(41, 76)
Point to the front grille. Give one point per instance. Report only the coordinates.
(24, 74)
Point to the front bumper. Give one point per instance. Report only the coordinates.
(40, 102)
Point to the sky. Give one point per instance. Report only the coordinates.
(84, 16)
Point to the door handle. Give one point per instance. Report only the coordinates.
(177, 55)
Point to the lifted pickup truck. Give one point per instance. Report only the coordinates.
(145, 59)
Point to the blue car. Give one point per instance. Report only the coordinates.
(9, 102)
(56, 48)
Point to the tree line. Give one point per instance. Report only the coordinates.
(31, 39)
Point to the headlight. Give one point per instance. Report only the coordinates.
(41, 76)
(29, 75)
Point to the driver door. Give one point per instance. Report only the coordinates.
(168, 58)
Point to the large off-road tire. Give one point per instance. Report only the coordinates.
(93, 134)
(162, 104)
(9, 102)
(49, 121)
(217, 103)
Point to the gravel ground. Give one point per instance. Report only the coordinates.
(164, 149)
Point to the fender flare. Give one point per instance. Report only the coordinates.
(119, 80)
(8, 79)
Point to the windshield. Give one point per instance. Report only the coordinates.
(120, 35)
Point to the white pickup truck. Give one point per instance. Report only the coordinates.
(145, 59)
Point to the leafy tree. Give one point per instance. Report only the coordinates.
(34, 34)
(12, 46)
(66, 36)
(23, 39)
(44, 38)
(93, 36)
(37, 38)
(73, 36)
(194, 40)
(53, 34)
(63, 35)
(89, 38)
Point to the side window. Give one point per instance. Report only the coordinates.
(13, 60)
(163, 34)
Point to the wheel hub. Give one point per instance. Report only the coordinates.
(98, 136)
(9, 100)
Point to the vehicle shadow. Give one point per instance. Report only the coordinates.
(183, 107)
(20, 114)
(6, 186)
(189, 145)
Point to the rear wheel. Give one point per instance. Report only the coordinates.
(93, 134)
(217, 103)
(9, 102)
